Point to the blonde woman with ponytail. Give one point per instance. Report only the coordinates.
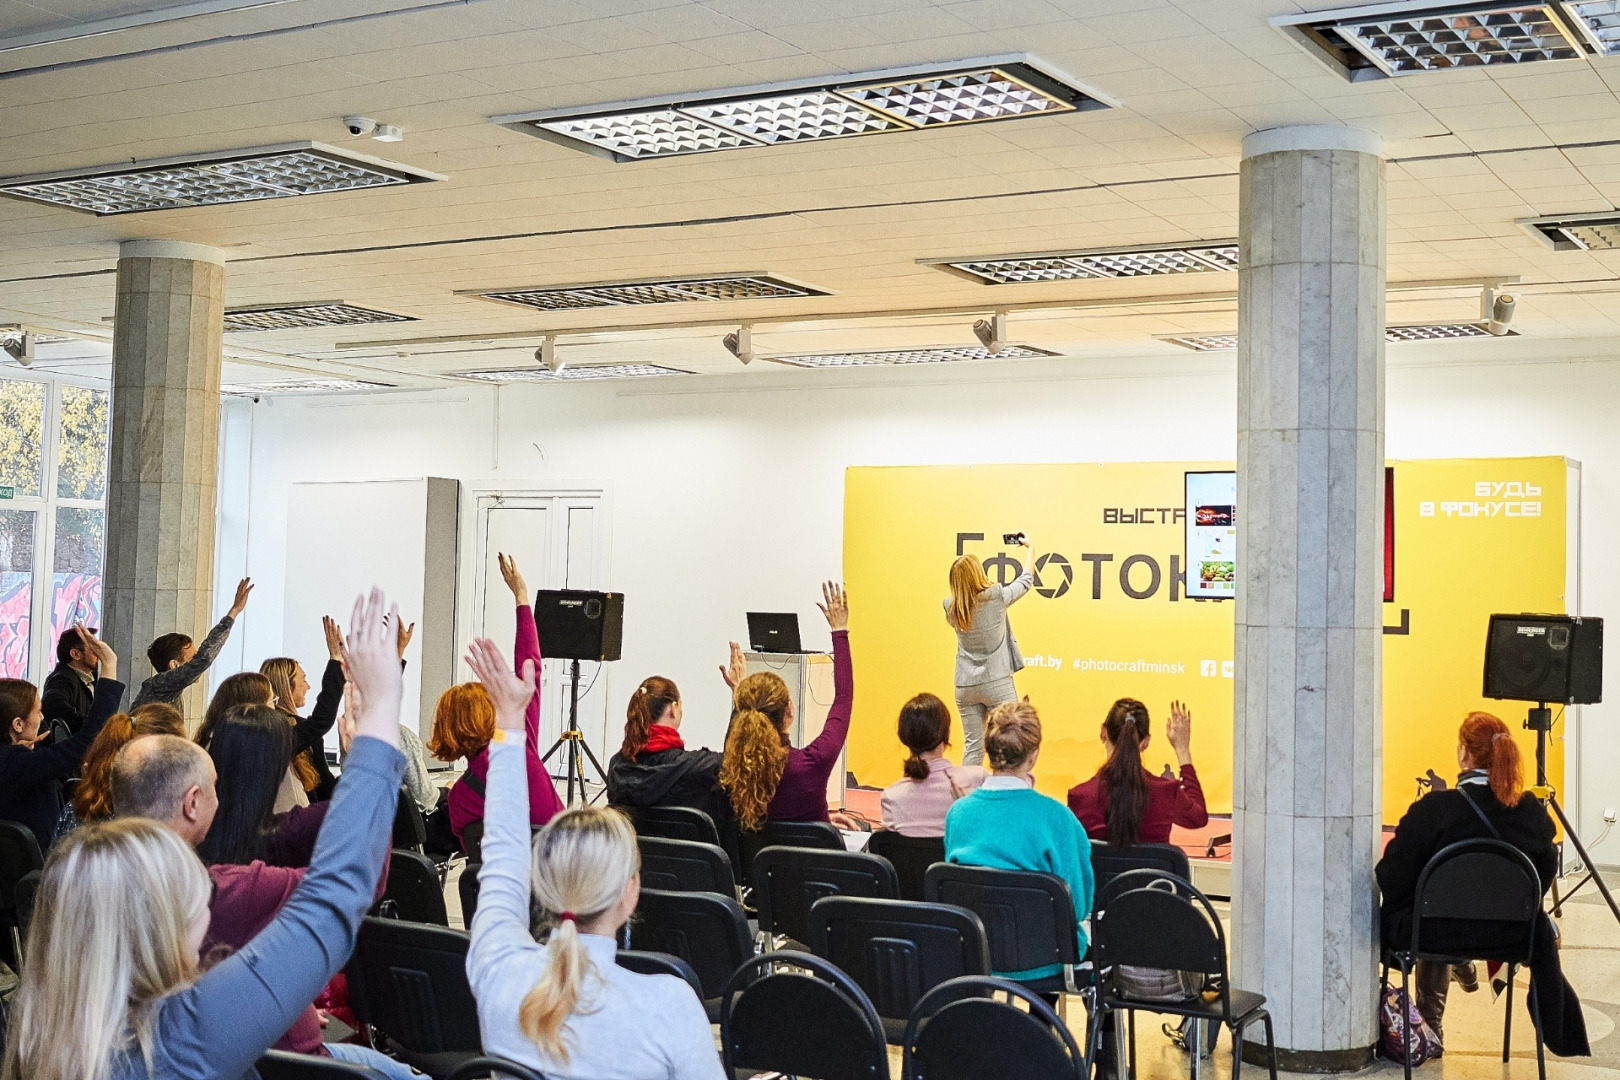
(987, 654)
(566, 1008)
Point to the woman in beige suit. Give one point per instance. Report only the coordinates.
(987, 654)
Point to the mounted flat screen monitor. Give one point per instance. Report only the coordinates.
(1212, 535)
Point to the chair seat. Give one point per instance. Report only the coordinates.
(435, 1065)
(1245, 1003)
(1393, 957)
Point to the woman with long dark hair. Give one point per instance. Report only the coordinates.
(654, 767)
(1125, 804)
(251, 748)
(916, 805)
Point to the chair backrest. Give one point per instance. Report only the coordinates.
(675, 823)
(486, 1066)
(1029, 916)
(1107, 863)
(898, 950)
(413, 892)
(959, 1032)
(409, 981)
(1157, 920)
(685, 866)
(472, 840)
(281, 1065)
(707, 930)
(467, 889)
(911, 857)
(811, 1021)
(1479, 880)
(660, 963)
(27, 889)
(410, 828)
(809, 834)
(19, 854)
(787, 880)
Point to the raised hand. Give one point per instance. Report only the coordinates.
(349, 720)
(334, 637)
(835, 606)
(403, 636)
(98, 652)
(374, 666)
(513, 578)
(509, 693)
(243, 589)
(1178, 731)
(736, 668)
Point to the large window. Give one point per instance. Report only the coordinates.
(53, 484)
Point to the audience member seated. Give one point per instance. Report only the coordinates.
(653, 767)
(1489, 802)
(916, 805)
(1008, 825)
(243, 688)
(312, 778)
(92, 799)
(464, 723)
(177, 662)
(30, 778)
(565, 1007)
(1124, 804)
(111, 989)
(71, 686)
(251, 749)
(764, 775)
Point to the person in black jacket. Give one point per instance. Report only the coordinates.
(1489, 802)
(291, 688)
(30, 779)
(653, 767)
(71, 686)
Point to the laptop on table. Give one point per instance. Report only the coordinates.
(774, 632)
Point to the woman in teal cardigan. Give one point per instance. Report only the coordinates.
(1008, 825)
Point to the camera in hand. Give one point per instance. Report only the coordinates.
(1015, 539)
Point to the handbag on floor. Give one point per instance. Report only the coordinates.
(1423, 1043)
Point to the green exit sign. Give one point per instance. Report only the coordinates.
(7, 491)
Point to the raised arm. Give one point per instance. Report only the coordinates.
(62, 760)
(824, 749)
(527, 646)
(1189, 811)
(1025, 580)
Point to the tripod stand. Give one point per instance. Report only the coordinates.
(1540, 721)
(574, 740)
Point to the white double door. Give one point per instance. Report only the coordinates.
(559, 542)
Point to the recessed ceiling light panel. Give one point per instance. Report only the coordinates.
(937, 355)
(1202, 342)
(302, 316)
(300, 386)
(871, 103)
(1600, 21)
(633, 293)
(1580, 232)
(275, 172)
(1418, 332)
(573, 374)
(1103, 263)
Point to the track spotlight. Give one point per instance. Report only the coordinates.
(992, 332)
(547, 354)
(740, 343)
(21, 348)
(1496, 310)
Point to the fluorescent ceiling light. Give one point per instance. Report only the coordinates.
(1599, 20)
(1416, 332)
(15, 333)
(300, 316)
(1100, 263)
(1202, 342)
(935, 355)
(299, 386)
(571, 373)
(272, 172)
(1580, 232)
(630, 293)
(967, 92)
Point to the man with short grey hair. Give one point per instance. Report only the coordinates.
(168, 779)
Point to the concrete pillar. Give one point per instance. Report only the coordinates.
(165, 431)
(1310, 500)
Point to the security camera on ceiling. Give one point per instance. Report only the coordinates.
(740, 343)
(992, 332)
(359, 125)
(20, 348)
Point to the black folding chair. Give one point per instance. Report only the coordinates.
(1152, 919)
(414, 892)
(408, 985)
(1478, 881)
(787, 880)
(411, 834)
(19, 857)
(472, 840)
(807, 834)
(485, 1067)
(911, 857)
(897, 950)
(1107, 863)
(958, 1031)
(797, 1014)
(467, 889)
(281, 1065)
(706, 930)
(1029, 917)
(658, 963)
(27, 889)
(675, 823)
(685, 866)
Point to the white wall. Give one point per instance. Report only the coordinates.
(727, 492)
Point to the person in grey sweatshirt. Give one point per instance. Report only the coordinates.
(177, 661)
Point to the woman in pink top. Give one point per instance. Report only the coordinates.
(916, 805)
(464, 723)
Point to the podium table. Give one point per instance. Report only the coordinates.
(809, 678)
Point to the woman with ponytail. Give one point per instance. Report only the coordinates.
(1124, 804)
(566, 1008)
(916, 805)
(1489, 802)
(654, 767)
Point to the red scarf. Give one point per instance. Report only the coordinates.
(662, 737)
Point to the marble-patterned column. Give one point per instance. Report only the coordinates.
(1310, 541)
(163, 458)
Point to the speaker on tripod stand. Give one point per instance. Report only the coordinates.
(1546, 658)
(575, 625)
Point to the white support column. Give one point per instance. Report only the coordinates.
(1309, 636)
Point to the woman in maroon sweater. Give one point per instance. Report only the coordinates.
(1124, 804)
(767, 778)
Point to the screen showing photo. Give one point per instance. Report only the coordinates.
(1212, 535)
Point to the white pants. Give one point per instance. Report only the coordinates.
(973, 704)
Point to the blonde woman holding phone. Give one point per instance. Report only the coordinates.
(987, 654)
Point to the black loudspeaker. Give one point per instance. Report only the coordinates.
(576, 624)
(1544, 658)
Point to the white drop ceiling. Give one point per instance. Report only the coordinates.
(1471, 152)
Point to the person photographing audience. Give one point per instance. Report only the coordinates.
(1124, 804)
(987, 654)
(177, 661)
